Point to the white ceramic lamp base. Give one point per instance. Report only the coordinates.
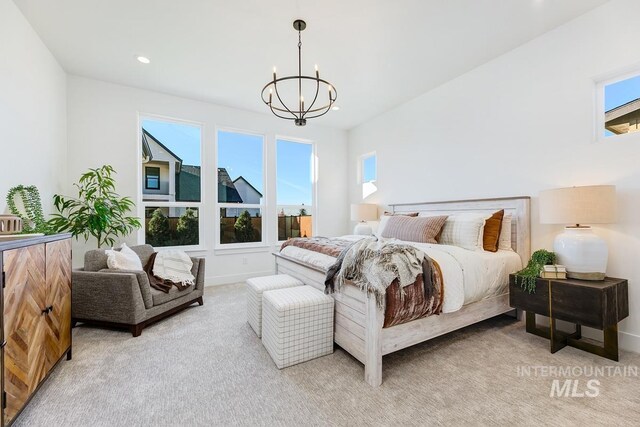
(363, 229)
(582, 252)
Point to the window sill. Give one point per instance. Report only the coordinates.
(241, 249)
(188, 249)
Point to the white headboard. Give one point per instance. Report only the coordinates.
(518, 207)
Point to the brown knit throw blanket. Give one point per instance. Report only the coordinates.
(158, 283)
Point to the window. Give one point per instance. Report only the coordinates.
(151, 178)
(240, 188)
(295, 184)
(368, 174)
(619, 109)
(171, 188)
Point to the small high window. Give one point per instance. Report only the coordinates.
(368, 173)
(620, 107)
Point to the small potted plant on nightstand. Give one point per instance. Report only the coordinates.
(526, 278)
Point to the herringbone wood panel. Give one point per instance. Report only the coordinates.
(58, 321)
(37, 277)
(24, 299)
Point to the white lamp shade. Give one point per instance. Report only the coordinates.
(364, 212)
(595, 204)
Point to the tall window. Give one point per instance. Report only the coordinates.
(622, 106)
(240, 188)
(171, 171)
(294, 183)
(368, 168)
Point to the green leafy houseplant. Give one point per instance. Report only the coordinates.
(526, 277)
(31, 214)
(98, 210)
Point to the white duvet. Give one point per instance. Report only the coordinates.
(469, 276)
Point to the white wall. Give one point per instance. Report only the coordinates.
(516, 125)
(103, 130)
(32, 110)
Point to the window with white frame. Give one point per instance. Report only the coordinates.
(295, 188)
(241, 189)
(171, 183)
(368, 174)
(619, 106)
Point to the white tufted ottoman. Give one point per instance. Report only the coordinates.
(297, 325)
(255, 287)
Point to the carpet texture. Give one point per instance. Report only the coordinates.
(206, 366)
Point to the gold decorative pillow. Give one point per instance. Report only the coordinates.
(492, 227)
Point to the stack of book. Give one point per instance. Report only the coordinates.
(554, 271)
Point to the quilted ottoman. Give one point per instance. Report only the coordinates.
(297, 325)
(255, 287)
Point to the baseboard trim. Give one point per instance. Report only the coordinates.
(629, 342)
(234, 278)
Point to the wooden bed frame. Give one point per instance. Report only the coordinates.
(358, 321)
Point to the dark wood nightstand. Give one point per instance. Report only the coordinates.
(596, 304)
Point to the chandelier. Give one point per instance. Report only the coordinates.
(296, 110)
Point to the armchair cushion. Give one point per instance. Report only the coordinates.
(141, 278)
(160, 297)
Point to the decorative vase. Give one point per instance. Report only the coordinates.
(10, 224)
(582, 252)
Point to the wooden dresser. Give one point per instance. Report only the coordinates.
(36, 321)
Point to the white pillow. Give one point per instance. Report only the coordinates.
(504, 242)
(381, 225)
(125, 259)
(464, 230)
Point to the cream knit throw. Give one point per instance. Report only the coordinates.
(174, 266)
(373, 264)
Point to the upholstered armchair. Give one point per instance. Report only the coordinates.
(125, 299)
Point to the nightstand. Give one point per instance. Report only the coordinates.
(596, 304)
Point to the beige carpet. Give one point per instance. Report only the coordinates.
(207, 367)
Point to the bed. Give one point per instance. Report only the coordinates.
(479, 294)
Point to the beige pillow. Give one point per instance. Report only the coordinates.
(504, 242)
(464, 230)
(414, 229)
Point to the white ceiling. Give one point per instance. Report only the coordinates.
(377, 53)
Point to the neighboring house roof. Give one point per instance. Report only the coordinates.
(148, 152)
(188, 184)
(227, 192)
(617, 119)
(248, 183)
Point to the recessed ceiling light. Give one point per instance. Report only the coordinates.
(335, 108)
(143, 59)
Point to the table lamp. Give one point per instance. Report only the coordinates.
(582, 252)
(363, 212)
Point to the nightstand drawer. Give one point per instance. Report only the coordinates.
(536, 302)
(596, 304)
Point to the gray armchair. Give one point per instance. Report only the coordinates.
(124, 299)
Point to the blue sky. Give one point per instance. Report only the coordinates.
(183, 140)
(241, 155)
(619, 93)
